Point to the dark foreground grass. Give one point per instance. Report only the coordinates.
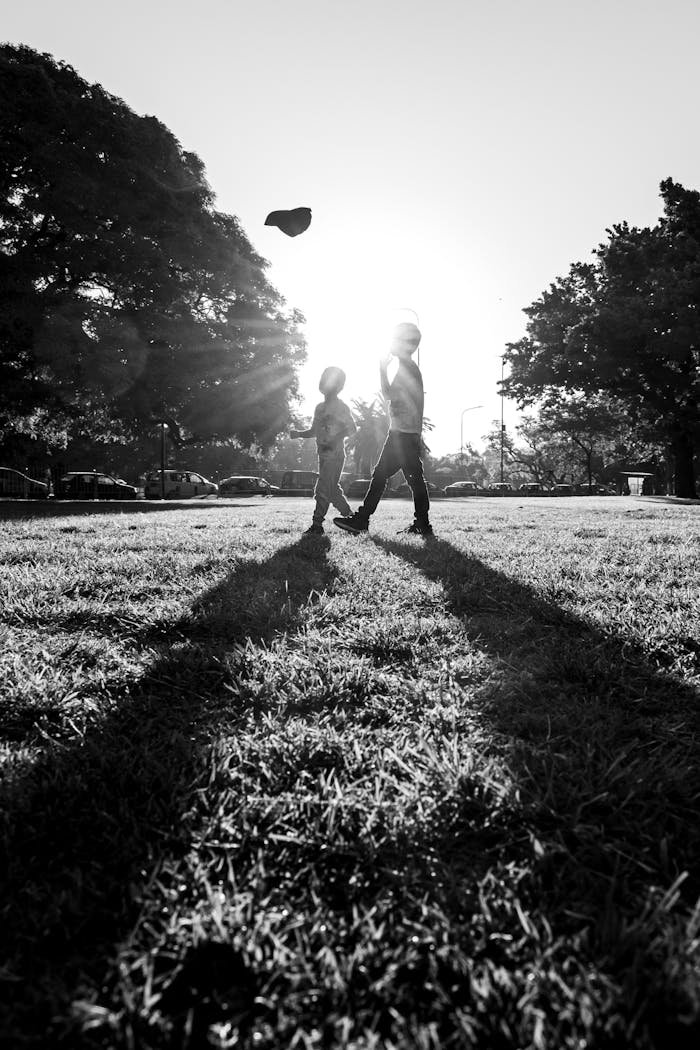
(264, 791)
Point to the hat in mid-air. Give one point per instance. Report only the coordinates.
(292, 222)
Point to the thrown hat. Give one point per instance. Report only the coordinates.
(292, 222)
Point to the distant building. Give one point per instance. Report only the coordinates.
(635, 483)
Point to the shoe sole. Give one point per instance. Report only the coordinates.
(350, 529)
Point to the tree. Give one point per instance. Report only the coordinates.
(541, 455)
(594, 426)
(468, 464)
(292, 453)
(124, 295)
(371, 419)
(627, 325)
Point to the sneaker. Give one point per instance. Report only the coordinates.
(354, 523)
(316, 529)
(416, 529)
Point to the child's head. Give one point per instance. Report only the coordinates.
(332, 381)
(405, 339)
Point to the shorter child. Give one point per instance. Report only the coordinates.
(332, 423)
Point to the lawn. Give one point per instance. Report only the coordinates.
(264, 790)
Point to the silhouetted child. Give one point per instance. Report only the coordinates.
(332, 423)
(402, 447)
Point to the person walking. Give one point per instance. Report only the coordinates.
(402, 448)
(332, 423)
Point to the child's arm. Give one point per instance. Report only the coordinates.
(349, 436)
(383, 375)
(311, 432)
(349, 429)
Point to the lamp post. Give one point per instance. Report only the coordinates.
(461, 431)
(502, 423)
(162, 460)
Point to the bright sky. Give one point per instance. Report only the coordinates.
(457, 155)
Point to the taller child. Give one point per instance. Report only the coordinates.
(402, 447)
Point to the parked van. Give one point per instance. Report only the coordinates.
(178, 484)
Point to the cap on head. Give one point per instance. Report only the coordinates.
(332, 380)
(405, 338)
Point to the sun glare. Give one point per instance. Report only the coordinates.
(353, 339)
(350, 304)
(353, 295)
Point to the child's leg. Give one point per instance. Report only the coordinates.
(337, 495)
(325, 485)
(387, 465)
(338, 500)
(412, 466)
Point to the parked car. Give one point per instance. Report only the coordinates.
(405, 490)
(357, 488)
(178, 484)
(531, 488)
(462, 488)
(564, 490)
(90, 484)
(19, 486)
(245, 485)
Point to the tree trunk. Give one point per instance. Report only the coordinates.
(684, 474)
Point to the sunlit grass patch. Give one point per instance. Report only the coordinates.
(264, 790)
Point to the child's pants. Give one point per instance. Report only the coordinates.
(328, 490)
(401, 452)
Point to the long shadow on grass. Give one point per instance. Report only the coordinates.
(85, 827)
(606, 747)
(26, 509)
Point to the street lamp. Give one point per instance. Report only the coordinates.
(162, 460)
(461, 431)
(502, 425)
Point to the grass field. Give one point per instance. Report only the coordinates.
(259, 790)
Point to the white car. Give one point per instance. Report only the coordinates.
(177, 484)
(462, 488)
(245, 485)
(13, 483)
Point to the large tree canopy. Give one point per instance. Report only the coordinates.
(124, 295)
(627, 324)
